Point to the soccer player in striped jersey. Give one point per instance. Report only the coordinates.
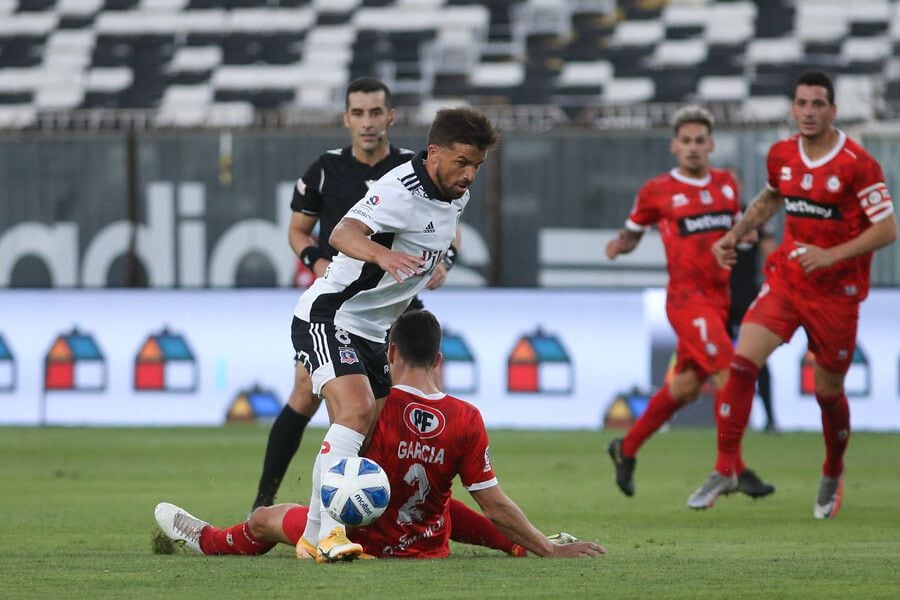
(839, 211)
(389, 244)
(327, 190)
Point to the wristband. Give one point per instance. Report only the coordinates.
(449, 257)
(310, 255)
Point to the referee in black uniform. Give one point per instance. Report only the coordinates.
(330, 187)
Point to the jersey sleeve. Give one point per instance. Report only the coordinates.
(773, 167)
(308, 190)
(871, 190)
(645, 211)
(383, 209)
(475, 469)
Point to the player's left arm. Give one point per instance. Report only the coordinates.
(439, 277)
(878, 235)
(510, 519)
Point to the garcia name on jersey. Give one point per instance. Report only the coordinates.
(406, 213)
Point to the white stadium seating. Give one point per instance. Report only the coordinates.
(206, 62)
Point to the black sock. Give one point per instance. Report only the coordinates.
(284, 439)
(764, 387)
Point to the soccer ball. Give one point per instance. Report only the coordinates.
(355, 491)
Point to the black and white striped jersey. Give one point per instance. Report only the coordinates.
(406, 213)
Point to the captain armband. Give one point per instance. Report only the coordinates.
(310, 255)
(449, 257)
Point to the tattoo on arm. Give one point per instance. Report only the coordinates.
(761, 209)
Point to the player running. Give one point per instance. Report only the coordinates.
(691, 204)
(423, 439)
(838, 212)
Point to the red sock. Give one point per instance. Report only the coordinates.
(470, 527)
(733, 411)
(739, 466)
(237, 539)
(836, 431)
(659, 410)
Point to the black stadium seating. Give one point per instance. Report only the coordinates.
(188, 61)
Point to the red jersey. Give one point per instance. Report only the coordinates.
(423, 442)
(691, 215)
(827, 202)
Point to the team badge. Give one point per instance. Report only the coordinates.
(487, 459)
(786, 174)
(807, 182)
(373, 200)
(728, 191)
(833, 184)
(874, 197)
(348, 356)
(679, 200)
(424, 421)
(724, 410)
(705, 197)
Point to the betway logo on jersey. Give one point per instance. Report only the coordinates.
(423, 420)
(714, 221)
(804, 207)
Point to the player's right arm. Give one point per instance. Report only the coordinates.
(510, 519)
(644, 213)
(762, 208)
(306, 205)
(304, 244)
(351, 237)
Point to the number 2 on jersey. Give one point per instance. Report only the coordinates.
(410, 510)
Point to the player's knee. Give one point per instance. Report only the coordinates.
(260, 522)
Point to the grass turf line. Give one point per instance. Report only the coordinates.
(79, 520)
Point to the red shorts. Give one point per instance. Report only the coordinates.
(703, 342)
(830, 326)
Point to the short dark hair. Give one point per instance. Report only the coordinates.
(462, 126)
(367, 85)
(819, 78)
(417, 336)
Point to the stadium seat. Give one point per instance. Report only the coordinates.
(260, 55)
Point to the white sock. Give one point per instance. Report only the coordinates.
(342, 442)
(311, 532)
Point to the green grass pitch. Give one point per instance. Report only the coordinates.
(78, 518)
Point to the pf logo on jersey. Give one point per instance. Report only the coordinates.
(424, 421)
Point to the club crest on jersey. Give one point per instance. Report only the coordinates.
(348, 356)
(728, 191)
(373, 200)
(705, 197)
(807, 182)
(833, 184)
(679, 200)
(424, 421)
(786, 174)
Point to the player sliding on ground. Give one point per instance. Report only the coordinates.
(421, 457)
